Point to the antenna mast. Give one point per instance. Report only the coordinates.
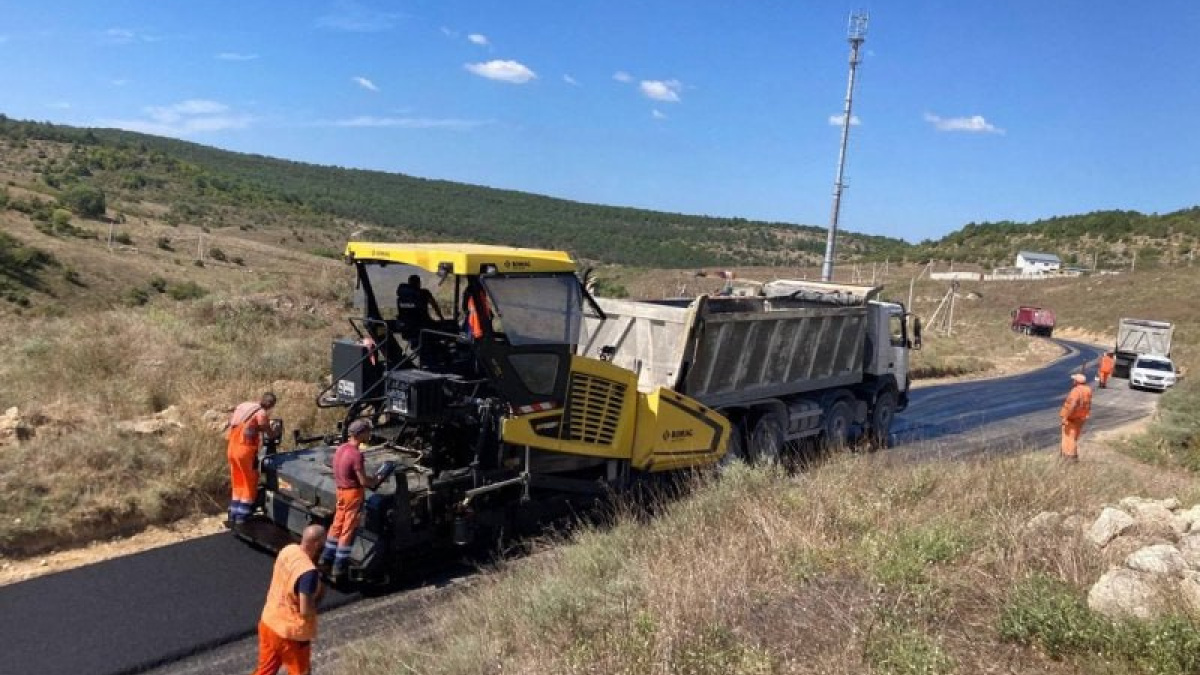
(856, 34)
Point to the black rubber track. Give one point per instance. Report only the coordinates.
(130, 614)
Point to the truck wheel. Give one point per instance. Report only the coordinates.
(736, 450)
(838, 421)
(881, 419)
(766, 443)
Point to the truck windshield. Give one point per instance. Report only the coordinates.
(538, 309)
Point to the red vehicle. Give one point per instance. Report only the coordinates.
(1033, 321)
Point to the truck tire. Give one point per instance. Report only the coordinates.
(838, 421)
(766, 442)
(881, 419)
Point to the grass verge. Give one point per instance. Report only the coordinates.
(863, 564)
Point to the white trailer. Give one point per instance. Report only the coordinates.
(801, 360)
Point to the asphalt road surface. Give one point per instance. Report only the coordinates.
(192, 608)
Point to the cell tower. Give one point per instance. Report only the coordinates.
(856, 35)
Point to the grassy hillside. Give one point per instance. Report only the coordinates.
(199, 185)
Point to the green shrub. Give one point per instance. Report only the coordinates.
(137, 296)
(217, 254)
(158, 283)
(893, 646)
(73, 277)
(85, 200)
(187, 290)
(164, 243)
(1048, 613)
(123, 238)
(238, 260)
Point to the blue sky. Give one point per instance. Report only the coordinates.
(965, 111)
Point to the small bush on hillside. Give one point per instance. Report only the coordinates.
(158, 283)
(187, 290)
(72, 277)
(137, 296)
(87, 201)
(217, 254)
(238, 260)
(123, 238)
(164, 243)
(60, 218)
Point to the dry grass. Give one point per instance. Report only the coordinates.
(864, 564)
(76, 379)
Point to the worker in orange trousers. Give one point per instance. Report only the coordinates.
(1075, 411)
(289, 618)
(351, 480)
(1107, 363)
(249, 424)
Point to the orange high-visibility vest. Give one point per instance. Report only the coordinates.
(1078, 405)
(282, 611)
(477, 315)
(1106, 364)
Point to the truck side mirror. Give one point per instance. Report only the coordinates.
(916, 339)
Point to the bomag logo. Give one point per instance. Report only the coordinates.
(517, 264)
(672, 435)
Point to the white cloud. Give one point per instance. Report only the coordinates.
(119, 36)
(352, 17)
(367, 121)
(836, 120)
(449, 32)
(622, 76)
(975, 124)
(236, 56)
(658, 114)
(184, 119)
(512, 72)
(661, 90)
(364, 83)
(571, 81)
(479, 39)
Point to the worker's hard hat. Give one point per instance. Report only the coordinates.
(359, 426)
(1079, 377)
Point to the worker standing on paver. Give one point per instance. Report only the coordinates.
(289, 617)
(248, 426)
(1105, 371)
(351, 479)
(1075, 411)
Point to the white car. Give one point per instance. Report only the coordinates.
(1151, 372)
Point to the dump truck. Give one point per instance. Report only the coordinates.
(1136, 337)
(1033, 321)
(487, 421)
(800, 360)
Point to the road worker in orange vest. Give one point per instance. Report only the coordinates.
(1105, 371)
(289, 618)
(249, 424)
(1075, 411)
(477, 308)
(351, 479)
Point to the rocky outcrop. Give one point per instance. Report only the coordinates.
(155, 424)
(1159, 545)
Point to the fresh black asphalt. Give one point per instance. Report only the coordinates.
(129, 614)
(194, 606)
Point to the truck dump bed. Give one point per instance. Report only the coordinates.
(727, 350)
(1143, 336)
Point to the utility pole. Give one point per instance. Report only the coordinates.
(856, 34)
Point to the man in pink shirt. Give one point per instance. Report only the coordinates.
(349, 474)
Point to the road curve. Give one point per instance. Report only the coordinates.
(192, 608)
